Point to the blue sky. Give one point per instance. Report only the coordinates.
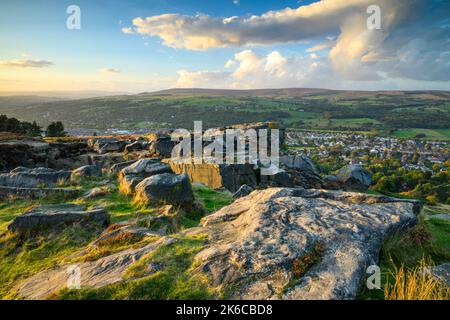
(269, 53)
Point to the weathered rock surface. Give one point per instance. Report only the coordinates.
(136, 146)
(295, 171)
(302, 171)
(37, 153)
(255, 240)
(217, 176)
(161, 147)
(243, 191)
(22, 177)
(8, 193)
(115, 169)
(354, 176)
(331, 182)
(441, 273)
(86, 171)
(132, 175)
(166, 188)
(96, 192)
(46, 217)
(95, 274)
(105, 145)
(129, 232)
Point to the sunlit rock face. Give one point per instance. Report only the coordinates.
(257, 241)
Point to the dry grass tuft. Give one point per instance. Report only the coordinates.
(415, 284)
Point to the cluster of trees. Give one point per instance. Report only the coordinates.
(20, 127)
(433, 186)
(32, 129)
(390, 177)
(55, 129)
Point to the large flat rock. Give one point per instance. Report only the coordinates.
(255, 241)
(8, 193)
(45, 217)
(31, 178)
(93, 274)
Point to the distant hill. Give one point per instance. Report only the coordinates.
(61, 94)
(293, 92)
(306, 108)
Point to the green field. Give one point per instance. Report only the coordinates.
(295, 108)
(434, 134)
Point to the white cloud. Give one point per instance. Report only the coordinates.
(255, 71)
(26, 63)
(128, 30)
(202, 79)
(413, 43)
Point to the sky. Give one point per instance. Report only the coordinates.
(146, 45)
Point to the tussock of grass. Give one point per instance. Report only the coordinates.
(403, 254)
(429, 239)
(415, 284)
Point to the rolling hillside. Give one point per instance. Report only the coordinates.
(299, 108)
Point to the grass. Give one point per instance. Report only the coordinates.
(21, 259)
(166, 273)
(11, 209)
(403, 255)
(415, 284)
(212, 200)
(430, 134)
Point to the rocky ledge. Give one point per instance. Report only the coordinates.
(282, 243)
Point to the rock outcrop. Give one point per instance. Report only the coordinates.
(95, 274)
(161, 147)
(85, 172)
(243, 191)
(302, 171)
(441, 273)
(256, 241)
(115, 169)
(131, 176)
(295, 171)
(105, 145)
(354, 177)
(331, 182)
(22, 177)
(278, 243)
(14, 193)
(46, 217)
(217, 176)
(166, 188)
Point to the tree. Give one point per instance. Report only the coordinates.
(55, 129)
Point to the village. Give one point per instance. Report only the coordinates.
(356, 148)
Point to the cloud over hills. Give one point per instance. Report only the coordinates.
(413, 43)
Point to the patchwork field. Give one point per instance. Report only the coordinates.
(436, 134)
(296, 108)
